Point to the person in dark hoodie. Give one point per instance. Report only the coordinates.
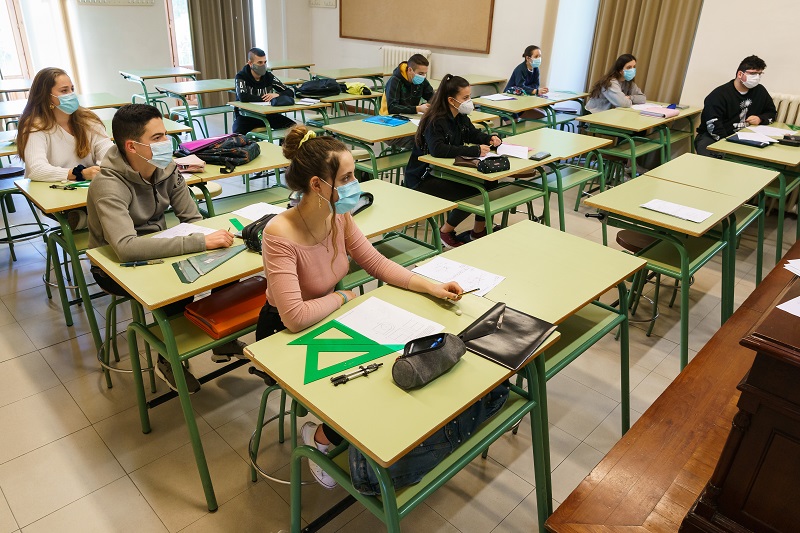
(740, 103)
(526, 74)
(404, 92)
(446, 131)
(255, 83)
(126, 201)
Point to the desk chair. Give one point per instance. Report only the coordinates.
(7, 192)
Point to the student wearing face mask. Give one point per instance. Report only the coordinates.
(255, 83)
(446, 131)
(57, 139)
(526, 74)
(737, 104)
(127, 200)
(616, 88)
(405, 91)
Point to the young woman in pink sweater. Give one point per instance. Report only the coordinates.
(306, 251)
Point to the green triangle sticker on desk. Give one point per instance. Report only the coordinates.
(335, 337)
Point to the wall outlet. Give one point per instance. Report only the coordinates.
(116, 2)
(322, 3)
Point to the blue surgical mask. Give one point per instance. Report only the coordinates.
(349, 194)
(536, 62)
(68, 103)
(162, 153)
(417, 79)
(629, 74)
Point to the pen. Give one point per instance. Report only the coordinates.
(468, 292)
(141, 263)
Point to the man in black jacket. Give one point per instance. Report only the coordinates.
(740, 103)
(254, 83)
(405, 91)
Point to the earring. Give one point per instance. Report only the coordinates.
(319, 202)
(52, 106)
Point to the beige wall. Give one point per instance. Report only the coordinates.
(108, 39)
(729, 31)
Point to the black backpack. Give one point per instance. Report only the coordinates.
(229, 152)
(319, 88)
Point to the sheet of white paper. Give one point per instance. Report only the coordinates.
(677, 210)
(182, 230)
(794, 262)
(489, 155)
(770, 131)
(758, 137)
(386, 323)
(558, 95)
(793, 270)
(260, 103)
(639, 107)
(415, 121)
(307, 101)
(256, 211)
(792, 306)
(513, 150)
(442, 270)
(498, 97)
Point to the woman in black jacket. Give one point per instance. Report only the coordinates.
(444, 131)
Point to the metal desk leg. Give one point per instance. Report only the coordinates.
(540, 437)
(624, 358)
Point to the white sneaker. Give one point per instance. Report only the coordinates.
(323, 478)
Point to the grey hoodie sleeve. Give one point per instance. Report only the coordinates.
(613, 93)
(111, 205)
(636, 94)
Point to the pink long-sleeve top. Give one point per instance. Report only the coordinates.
(301, 279)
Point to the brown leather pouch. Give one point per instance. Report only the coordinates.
(231, 309)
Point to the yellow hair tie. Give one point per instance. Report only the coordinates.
(309, 135)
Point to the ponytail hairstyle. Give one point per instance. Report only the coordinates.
(440, 107)
(38, 115)
(612, 74)
(314, 156)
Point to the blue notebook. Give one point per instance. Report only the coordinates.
(385, 121)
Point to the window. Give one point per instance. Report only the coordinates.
(180, 33)
(45, 32)
(260, 25)
(12, 57)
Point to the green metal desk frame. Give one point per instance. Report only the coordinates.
(269, 134)
(147, 97)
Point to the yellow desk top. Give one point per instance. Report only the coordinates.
(626, 200)
(291, 81)
(281, 64)
(473, 79)
(518, 166)
(265, 109)
(350, 73)
(156, 73)
(629, 119)
(396, 207)
(8, 145)
(381, 419)
(185, 88)
(172, 127)
(564, 96)
(520, 104)
(271, 157)
(711, 174)
(12, 108)
(346, 97)
(559, 286)
(561, 144)
(374, 133)
(15, 85)
(155, 286)
(787, 156)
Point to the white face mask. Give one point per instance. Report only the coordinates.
(751, 80)
(466, 107)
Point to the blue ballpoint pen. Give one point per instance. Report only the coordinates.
(141, 263)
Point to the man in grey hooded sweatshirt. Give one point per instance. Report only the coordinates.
(127, 200)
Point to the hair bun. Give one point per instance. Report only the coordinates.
(291, 143)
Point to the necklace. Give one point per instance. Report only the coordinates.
(324, 240)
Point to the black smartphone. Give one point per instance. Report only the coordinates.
(424, 344)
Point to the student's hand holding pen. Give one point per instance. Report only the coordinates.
(219, 239)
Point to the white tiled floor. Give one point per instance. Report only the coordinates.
(73, 458)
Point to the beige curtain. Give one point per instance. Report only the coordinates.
(222, 33)
(659, 33)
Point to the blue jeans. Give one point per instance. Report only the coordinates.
(415, 464)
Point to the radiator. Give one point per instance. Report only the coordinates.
(394, 55)
(788, 106)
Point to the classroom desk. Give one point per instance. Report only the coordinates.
(472, 79)
(8, 144)
(626, 123)
(508, 109)
(785, 159)
(140, 76)
(373, 74)
(649, 480)
(261, 110)
(335, 100)
(18, 85)
(57, 202)
(622, 208)
(174, 130)
(724, 177)
(176, 339)
(13, 109)
(181, 90)
(563, 145)
(385, 422)
(287, 64)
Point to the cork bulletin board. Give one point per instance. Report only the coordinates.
(452, 24)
